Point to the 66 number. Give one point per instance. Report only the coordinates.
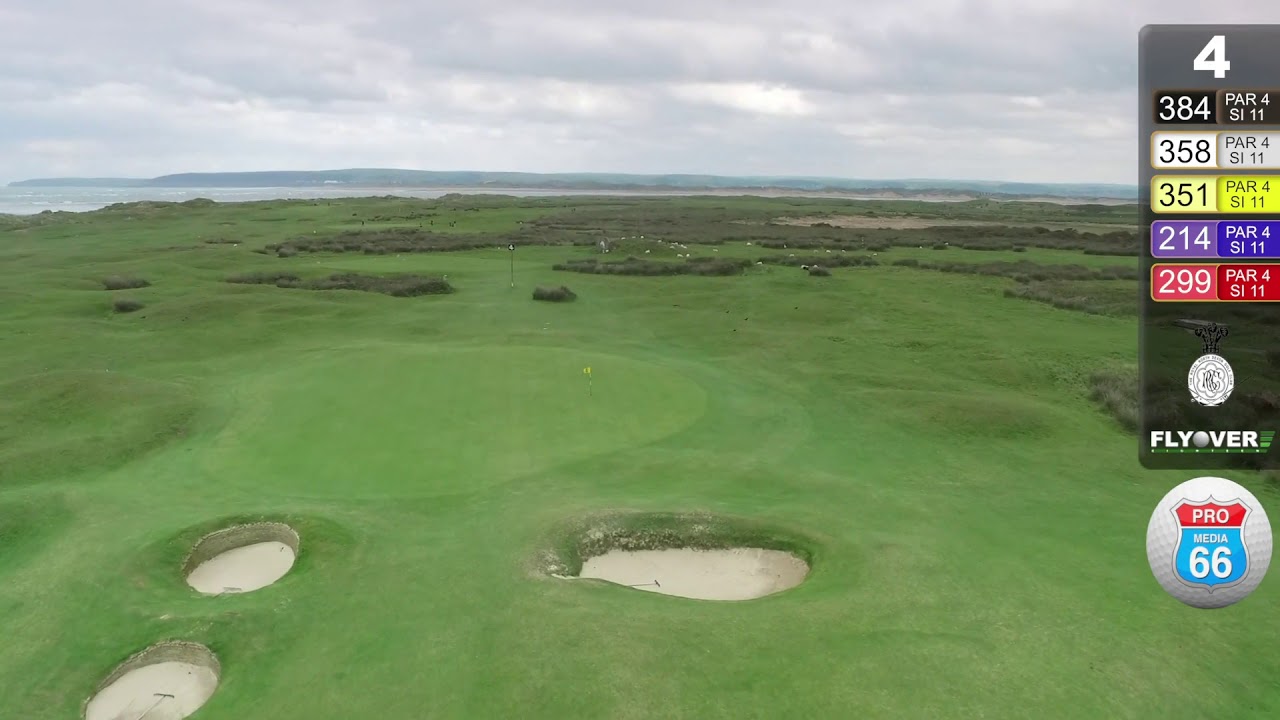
(1202, 564)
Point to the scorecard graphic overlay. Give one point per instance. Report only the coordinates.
(1209, 169)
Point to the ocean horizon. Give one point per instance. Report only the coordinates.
(25, 200)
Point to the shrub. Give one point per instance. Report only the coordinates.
(126, 305)
(819, 271)
(636, 266)
(124, 282)
(263, 278)
(553, 294)
(821, 260)
(395, 285)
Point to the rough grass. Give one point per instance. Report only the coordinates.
(397, 285)
(397, 240)
(1110, 298)
(652, 268)
(554, 294)
(124, 282)
(1027, 271)
(822, 260)
(1117, 392)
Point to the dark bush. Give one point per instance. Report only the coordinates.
(819, 271)
(124, 282)
(553, 294)
(126, 305)
(394, 285)
(823, 260)
(944, 246)
(263, 278)
(635, 266)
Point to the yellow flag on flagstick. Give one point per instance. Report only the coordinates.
(586, 371)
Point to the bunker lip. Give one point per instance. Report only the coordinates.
(176, 674)
(241, 558)
(695, 555)
(739, 573)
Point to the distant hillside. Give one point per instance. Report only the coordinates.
(587, 181)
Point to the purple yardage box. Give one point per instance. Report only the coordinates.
(1249, 238)
(1184, 238)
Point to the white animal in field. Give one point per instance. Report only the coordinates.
(804, 267)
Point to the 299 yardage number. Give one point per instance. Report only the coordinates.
(1189, 283)
(1183, 194)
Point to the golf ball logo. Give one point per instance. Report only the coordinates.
(1209, 542)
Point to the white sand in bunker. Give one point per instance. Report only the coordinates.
(168, 681)
(164, 691)
(733, 574)
(243, 569)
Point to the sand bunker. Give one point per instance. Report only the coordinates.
(168, 681)
(242, 558)
(734, 574)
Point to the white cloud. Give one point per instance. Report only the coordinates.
(991, 89)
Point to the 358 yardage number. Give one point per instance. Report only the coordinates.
(1185, 151)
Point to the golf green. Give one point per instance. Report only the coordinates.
(975, 522)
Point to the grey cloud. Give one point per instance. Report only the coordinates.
(1000, 89)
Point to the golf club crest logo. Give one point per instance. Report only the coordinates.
(1211, 379)
(1211, 552)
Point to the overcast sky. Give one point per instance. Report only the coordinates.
(1025, 90)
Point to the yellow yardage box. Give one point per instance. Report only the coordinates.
(1248, 194)
(1185, 193)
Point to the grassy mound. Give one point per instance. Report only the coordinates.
(25, 525)
(57, 423)
(554, 294)
(399, 285)
(584, 538)
(126, 305)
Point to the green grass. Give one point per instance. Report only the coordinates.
(975, 519)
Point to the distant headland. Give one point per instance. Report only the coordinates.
(596, 182)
